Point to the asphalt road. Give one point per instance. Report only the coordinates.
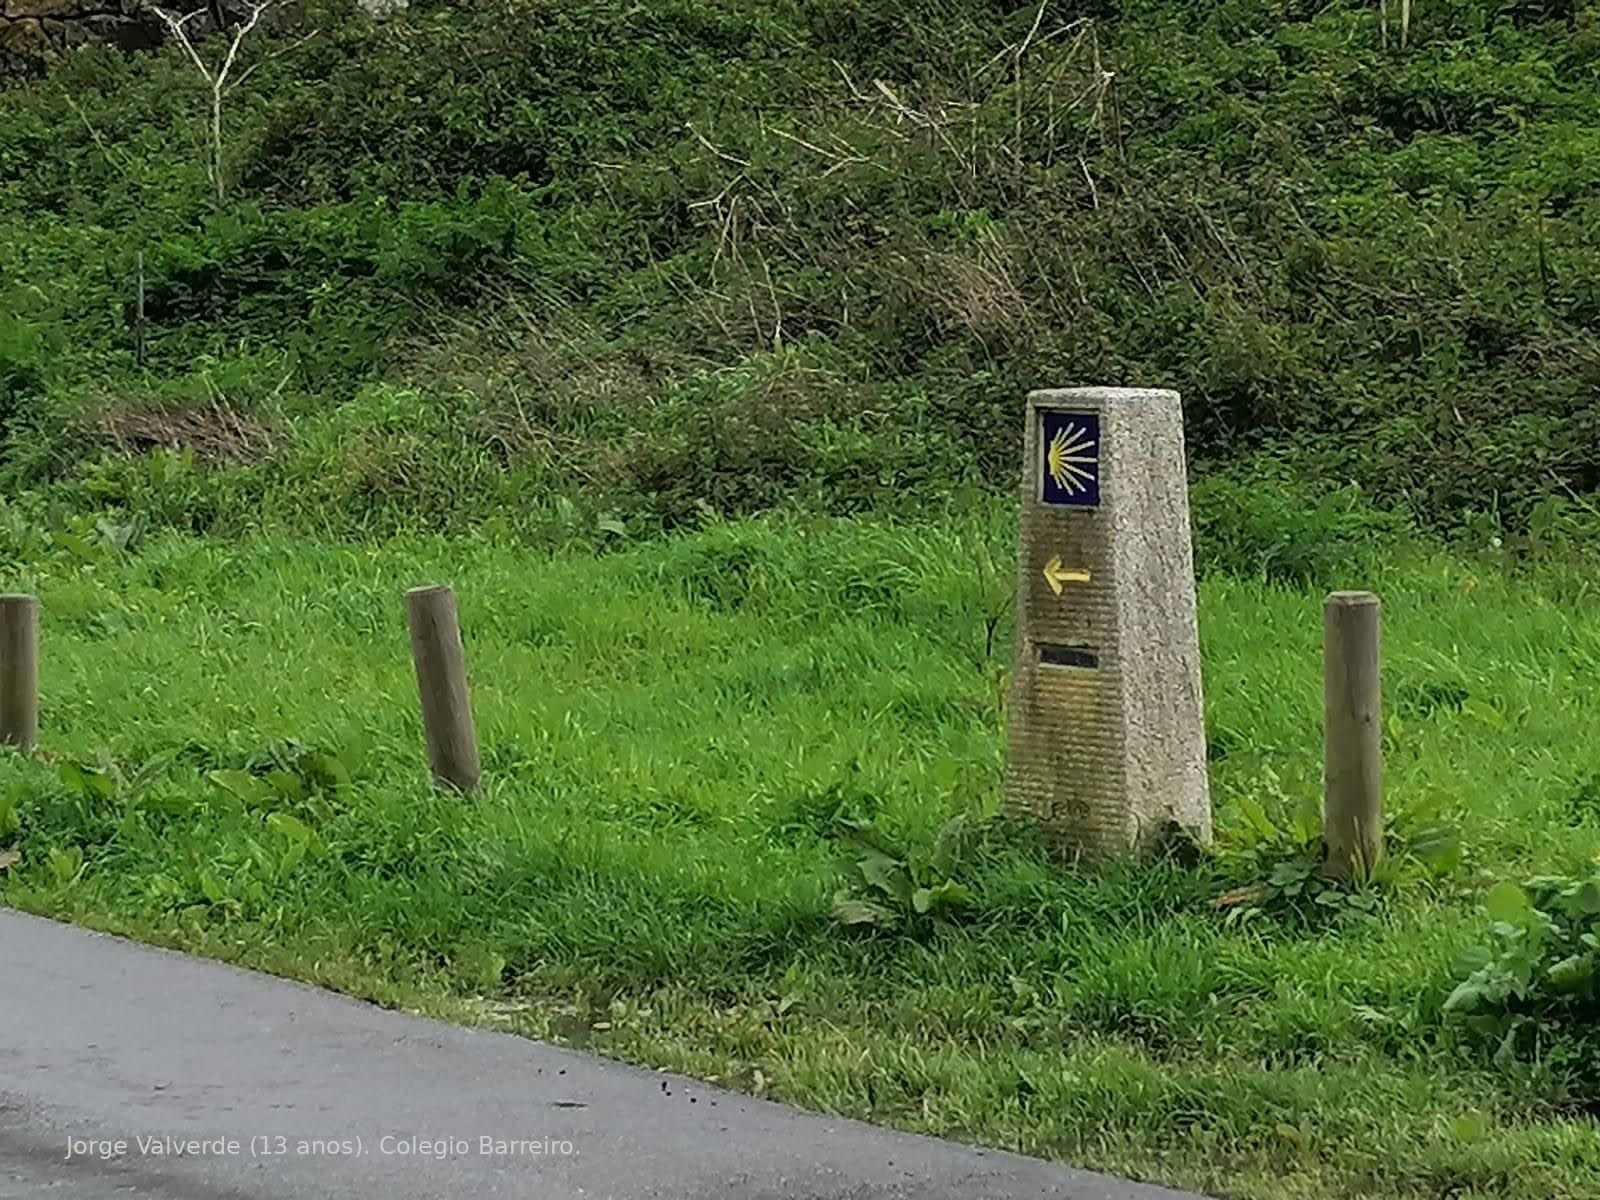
(302, 1093)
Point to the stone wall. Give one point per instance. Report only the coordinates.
(31, 31)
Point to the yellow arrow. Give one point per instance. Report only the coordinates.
(1058, 576)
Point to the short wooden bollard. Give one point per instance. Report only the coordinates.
(1352, 797)
(19, 671)
(442, 687)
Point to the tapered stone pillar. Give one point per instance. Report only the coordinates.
(1106, 743)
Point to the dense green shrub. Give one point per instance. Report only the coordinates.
(1376, 261)
(21, 370)
(1272, 529)
(1536, 988)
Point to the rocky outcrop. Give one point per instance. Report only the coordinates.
(33, 30)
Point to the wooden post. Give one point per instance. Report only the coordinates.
(442, 686)
(19, 671)
(1352, 797)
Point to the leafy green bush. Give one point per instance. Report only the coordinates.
(330, 284)
(21, 371)
(1269, 528)
(1277, 865)
(894, 888)
(1273, 853)
(1534, 990)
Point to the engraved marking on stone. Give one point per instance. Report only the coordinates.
(1068, 656)
(1058, 576)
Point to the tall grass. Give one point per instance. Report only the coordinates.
(674, 733)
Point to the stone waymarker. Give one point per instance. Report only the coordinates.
(1106, 743)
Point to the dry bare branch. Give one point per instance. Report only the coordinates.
(217, 78)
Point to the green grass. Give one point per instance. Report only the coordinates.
(670, 731)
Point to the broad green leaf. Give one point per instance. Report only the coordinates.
(1479, 711)
(1506, 1054)
(286, 783)
(1470, 959)
(866, 836)
(947, 845)
(85, 781)
(950, 895)
(329, 770)
(1507, 902)
(65, 864)
(242, 786)
(1256, 817)
(1285, 873)
(211, 889)
(290, 827)
(1573, 973)
(850, 911)
(886, 874)
(173, 803)
(353, 754)
(1465, 997)
(1587, 898)
(1308, 819)
(76, 546)
(1438, 849)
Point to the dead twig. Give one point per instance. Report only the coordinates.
(218, 78)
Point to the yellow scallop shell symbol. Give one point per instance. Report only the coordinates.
(1070, 459)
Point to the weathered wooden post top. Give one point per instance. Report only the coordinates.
(1106, 739)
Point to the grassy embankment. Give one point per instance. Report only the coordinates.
(713, 254)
